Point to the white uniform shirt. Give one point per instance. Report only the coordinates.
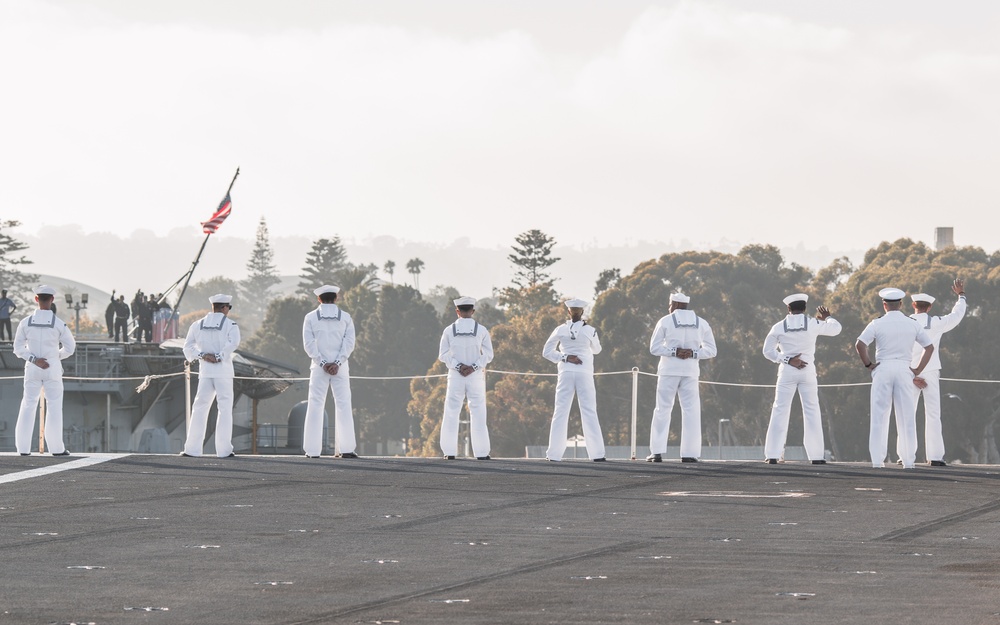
(573, 339)
(894, 334)
(328, 335)
(795, 335)
(682, 329)
(43, 335)
(215, 334)
(936, 327)
(465, 342)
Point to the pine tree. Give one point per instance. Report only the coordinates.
(17, 283)
(533, 256)
(324, 262)
(261, 277)
(532, 285)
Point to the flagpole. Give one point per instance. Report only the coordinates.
(197, 258)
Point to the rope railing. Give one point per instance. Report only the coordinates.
(147, 380)
(150, 378)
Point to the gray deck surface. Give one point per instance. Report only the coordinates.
(164, 539)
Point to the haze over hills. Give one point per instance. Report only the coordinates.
(100, 262)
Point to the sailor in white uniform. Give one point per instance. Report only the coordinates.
(791, 344)
(212, 341)
(328, 338)
(572, 345)
(465, 349)
(681, 339)
(935, 326)
(892, 377)
(43, 341)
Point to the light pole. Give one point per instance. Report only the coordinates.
(81, 305)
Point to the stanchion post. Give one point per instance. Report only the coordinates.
(253, 429)
(635, 405)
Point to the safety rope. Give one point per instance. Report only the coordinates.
(148, 379)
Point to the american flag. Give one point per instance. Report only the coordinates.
(210, 226)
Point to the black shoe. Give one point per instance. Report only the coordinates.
(819, 461)
(349, 454)
(232, 454)
(187, 455)
(25, 454)
(771, 461)
(689, 460)
(600, 459)
(449, 457)
(900, 462)
(486, 457)
(64, 452)
(654, 458)
(308, 456)
(934, 463)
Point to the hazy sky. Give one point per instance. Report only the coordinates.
(836, 124)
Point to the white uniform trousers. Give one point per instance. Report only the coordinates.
(220, 389)
(320, 383)
(892, 383)
(53, 414)
(803, 381)
(580, 383)
(472, 387)
(933, 438)
(686, 389)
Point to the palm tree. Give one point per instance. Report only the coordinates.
(390, 268)
(413, 266)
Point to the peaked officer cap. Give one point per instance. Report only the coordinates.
(576, 303)
(680, 298)
(220, 298)
(923, 297)
(44, 289)
(795, 297)
(465, 301)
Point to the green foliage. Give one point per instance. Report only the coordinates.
(400, 338)
(414, 266)
(19, 285)
(262, 276)
(607, 279)
(324, 262)
(532, 256)
(740, 297)
(519, 407)
(279, 338)
(967, 352)
(197, 294)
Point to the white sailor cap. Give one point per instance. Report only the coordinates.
(891, 295)
(795, 297)
(44, 289)
(220, 298)
(923, 297)
(576, 303)
(326, 288)
(465, 301)
(680, 298)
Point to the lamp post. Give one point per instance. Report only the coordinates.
(81, 305)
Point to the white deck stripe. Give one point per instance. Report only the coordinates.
(79, 463)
